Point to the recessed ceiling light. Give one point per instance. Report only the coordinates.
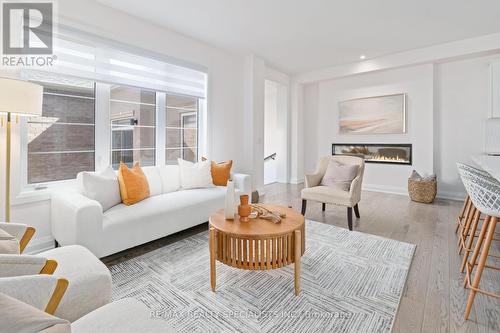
(362, 57)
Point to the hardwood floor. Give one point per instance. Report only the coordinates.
(434, 299)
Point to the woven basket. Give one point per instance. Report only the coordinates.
(423, 191)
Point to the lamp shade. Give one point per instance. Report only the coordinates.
(20, 97)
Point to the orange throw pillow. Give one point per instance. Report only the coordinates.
(221, 172)
(134, 185)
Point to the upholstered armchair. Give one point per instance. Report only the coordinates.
(14, 237)
(89, 279)
(328, 195)
(29, 303)
(42, 291)
(21, 234)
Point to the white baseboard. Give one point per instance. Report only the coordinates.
(38, 245)
(261, 191)
(296, 180)
(385, 189)
(456, 196)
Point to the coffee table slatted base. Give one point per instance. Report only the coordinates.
(257, 254)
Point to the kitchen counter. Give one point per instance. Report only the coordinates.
(488, 163)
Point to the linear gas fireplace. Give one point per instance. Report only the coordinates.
(393, 153)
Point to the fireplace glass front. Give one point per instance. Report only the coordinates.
(376, 153)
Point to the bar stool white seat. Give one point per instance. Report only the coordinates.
(468, 210)
(485, 196)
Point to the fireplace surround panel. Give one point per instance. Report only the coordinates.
(384, 153)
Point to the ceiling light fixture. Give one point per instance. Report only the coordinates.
(362, 57)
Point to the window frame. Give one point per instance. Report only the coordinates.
(200, 130)
(111, 149)
(183, 128)
(25, 192)
(23, 153)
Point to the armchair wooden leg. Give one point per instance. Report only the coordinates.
(323, 206)
(28, 234)
(304, 204)
(49, 268)
(349, 217)
(61, 286)
(356, 211)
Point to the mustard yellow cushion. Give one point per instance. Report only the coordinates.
(134, 185)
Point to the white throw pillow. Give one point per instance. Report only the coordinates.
(339, 176)
(195, 175)
(102, 187)
(170, 178)
(154, 180)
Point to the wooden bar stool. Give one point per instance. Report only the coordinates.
(469, 217)
(463, 213)
(485, 195)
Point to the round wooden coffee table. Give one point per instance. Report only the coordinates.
(257, 244)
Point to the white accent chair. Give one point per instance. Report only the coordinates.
(314, 191)
(24, 302)
(90, 280)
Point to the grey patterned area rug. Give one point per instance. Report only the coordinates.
(351, 282)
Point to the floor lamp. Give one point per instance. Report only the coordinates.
(19, 98)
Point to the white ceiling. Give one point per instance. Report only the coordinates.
(301, 35)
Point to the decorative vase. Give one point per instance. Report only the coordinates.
(244, 208)
(230, 203)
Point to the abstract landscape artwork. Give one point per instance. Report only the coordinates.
(373, 115)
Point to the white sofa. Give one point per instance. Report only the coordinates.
(76, 219)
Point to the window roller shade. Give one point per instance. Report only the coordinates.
(87, 60)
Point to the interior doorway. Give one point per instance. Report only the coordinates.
(275, 132)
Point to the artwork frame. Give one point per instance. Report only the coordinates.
(382, 114)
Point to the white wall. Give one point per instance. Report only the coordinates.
(462, 106)
(475, 49)
(282, 81)
(225, 70)
(448, 103)
(253, 120)
(296, 140)
(225, 95)
(255, 75)
(321, 121)
(276, 132)
(271, 138)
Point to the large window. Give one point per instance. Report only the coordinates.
(104, 105)
(181, 128)
(133, 121)
(61, 141)
(75, 134)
